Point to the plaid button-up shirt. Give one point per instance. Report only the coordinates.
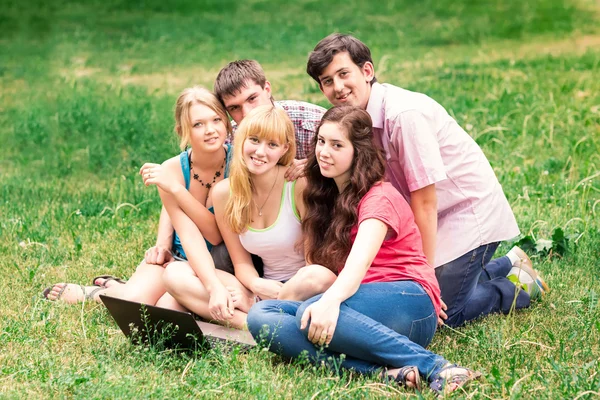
(305, 117)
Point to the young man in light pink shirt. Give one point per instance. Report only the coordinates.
(457, 201)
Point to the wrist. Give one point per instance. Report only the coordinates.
(213, 286)
(255, 284)
(174, 188)
(332, 297)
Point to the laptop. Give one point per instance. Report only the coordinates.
(153, 325)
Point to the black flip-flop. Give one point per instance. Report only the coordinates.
(107, 279)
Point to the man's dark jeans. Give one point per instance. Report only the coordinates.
(473, 286)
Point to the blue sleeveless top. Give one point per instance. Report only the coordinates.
(184, 159)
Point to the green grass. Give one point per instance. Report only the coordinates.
(86, 96)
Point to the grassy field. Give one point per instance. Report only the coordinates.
(86, 96)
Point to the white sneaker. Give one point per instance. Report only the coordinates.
(524, 276)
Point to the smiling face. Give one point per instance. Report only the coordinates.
(207, 128)
(262, 154)
(345, 83)
(334, 153)
(248, 98)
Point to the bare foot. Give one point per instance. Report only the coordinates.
(71, 293)
(240, 300)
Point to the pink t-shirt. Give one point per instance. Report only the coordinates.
(401, 256)
(424, 145)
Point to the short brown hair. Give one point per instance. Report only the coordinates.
(335, 43)
(235, 76)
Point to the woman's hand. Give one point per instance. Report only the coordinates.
(220, 305)
(158, 255)
(155, 174)
(323, 316)
(266, 289)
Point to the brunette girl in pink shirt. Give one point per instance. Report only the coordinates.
(382, 309)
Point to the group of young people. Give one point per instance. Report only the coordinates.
(353, 231)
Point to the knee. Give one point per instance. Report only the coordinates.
(309, 281)
(175, 274)
(318, 277)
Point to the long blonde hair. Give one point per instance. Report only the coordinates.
(187, 98)
(265, 123)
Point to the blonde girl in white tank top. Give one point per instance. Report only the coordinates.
(258, 212)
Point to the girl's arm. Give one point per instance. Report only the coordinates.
(198, 213)
(160, 253)
(242, 260)
(220, 304)
(324, 313)
(162, 177)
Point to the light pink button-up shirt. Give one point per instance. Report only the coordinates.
(425, 146)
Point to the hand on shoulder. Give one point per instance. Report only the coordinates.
(165, 176)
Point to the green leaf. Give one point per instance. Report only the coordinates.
(543, 246)
(526, 243)
(560, 243)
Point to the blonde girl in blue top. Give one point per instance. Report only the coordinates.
(185, 182)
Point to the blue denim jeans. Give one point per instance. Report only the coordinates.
(385, 324)
(473, 286)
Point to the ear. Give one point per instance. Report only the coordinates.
(268, 87)
(368, 71)
(286, 148)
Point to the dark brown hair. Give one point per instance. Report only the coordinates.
(335, 43)
(330, 215)
(235, 76)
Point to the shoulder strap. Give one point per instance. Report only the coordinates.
(228, 157)
(184, 160)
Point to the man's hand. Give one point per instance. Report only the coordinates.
(443, 316)
(158, 255)
(295, 171)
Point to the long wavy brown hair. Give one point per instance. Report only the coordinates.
(330, 215)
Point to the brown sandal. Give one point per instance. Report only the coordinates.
(440, 384)
(400, 379)
(86, 296)
(107, 278)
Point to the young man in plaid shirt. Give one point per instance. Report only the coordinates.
(241, 86)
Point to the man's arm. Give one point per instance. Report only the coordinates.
(423, 203)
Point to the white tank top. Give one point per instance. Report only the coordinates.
(275, 244)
